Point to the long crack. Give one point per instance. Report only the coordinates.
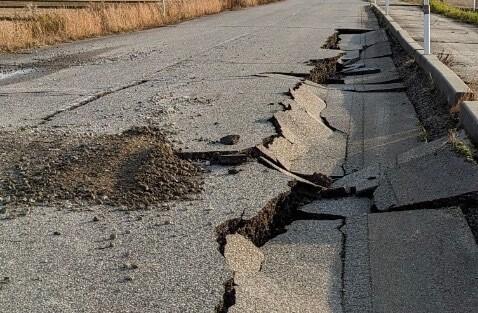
(90, 99)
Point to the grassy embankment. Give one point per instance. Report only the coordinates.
(63, 25)
(451, 11)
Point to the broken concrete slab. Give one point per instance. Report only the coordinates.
(301, 272)
(307, 99)
(423, 261)
(363, 181)
(374, 37)
(369, 88)
(351, 42)
(242, 255)
(422, 150)
(306, 145)
(284, 171)
(381, 49)
(360, 71)
(345, 206)
(378, 78)
(434, 178)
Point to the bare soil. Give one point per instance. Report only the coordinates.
(135, 169)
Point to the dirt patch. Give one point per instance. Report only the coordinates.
(323, 70)
(135, 169)
(332, 42)
(430, 104)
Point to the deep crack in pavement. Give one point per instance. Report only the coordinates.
(307, 208)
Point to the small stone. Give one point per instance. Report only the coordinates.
(113, 236)
(112, 244)
(95, 219)
(230, 139)
(233, 171)
(56, 233)
(128, 278)
(127, 231)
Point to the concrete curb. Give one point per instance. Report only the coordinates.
(469, 119)
(447, 81)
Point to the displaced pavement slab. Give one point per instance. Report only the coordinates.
(306, 145)
(242, 255)
(381, 49)
(423, 261)
(345, 206)
(363, 181)
(301, 272)
(379, 125)
(432, 178)
(179, 267)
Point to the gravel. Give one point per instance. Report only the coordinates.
(135, 169)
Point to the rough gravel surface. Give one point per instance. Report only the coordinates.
(136, 169)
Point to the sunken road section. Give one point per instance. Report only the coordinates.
(136, 169)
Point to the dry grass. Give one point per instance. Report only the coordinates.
(445, 58)
(461, 147)
(62, 25)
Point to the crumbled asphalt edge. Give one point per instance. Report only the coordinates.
(332, 42)
(136, 169)
(430, 104)
(323, 69)
(269, 223)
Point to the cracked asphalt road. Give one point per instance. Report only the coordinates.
(199, 81)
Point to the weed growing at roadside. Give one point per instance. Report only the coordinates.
(460, 147)
(445, 58)
(423, 135)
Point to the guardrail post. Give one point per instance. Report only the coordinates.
(474, 5)
(387, 6)
(426, 27)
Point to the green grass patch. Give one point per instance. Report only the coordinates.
(462, 15)
(448, 10)
(460, 147)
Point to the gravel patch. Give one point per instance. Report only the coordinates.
(136, 169)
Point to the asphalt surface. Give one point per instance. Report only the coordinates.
(241, 73)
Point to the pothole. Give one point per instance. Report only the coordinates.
(135, 169)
